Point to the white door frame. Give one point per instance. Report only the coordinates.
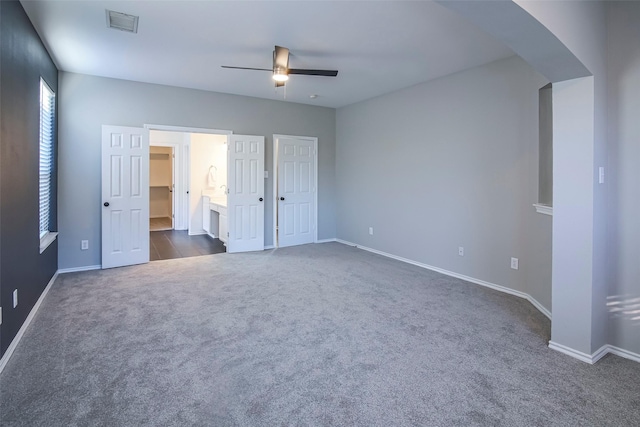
(183, 160)
(314, 140)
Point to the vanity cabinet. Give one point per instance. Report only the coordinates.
(214, 217)
(223, 224)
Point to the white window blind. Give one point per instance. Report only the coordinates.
(47, 122)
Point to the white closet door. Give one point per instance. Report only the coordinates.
(245, 199)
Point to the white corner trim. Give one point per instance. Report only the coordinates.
(597, 355)
(76, 269)
(543, 209)
(25, 325)
(325, 240)
(493, 286)
(48, 239)
(584, 357)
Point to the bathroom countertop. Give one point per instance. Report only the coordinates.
(219, 200)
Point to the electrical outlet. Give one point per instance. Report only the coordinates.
(15, 298)
(601, 175)
(371, 231)
(514, 263)
(460, 251)
(84, 245)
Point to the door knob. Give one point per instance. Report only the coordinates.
(106, 204)
(261, 199)
(281, 198)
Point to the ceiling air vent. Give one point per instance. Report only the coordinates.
(122, 21)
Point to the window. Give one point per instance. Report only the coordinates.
(47, 129)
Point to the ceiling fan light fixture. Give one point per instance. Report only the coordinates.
(280, 74)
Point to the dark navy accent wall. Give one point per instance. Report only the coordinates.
(23, 60)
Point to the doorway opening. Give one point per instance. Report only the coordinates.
(185, 165)
(161, 203)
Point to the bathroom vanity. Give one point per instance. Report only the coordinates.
(214, 217)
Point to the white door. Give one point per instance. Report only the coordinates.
(125, 196)
(245, 198)
(296, 191)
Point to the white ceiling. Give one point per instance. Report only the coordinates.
(377, 46)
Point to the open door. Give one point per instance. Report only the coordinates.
(245, 198)
(125, 196)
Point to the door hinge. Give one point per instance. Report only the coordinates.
(227, 234)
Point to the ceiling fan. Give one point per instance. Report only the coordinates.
(281, 68)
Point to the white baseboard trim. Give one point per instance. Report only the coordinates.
(623, 353)
(484, 283)
(597, 355)
(14, 343)
(587, 358)
(326, 240)
(76, 269)
(197, 233)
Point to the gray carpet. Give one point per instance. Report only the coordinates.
(313, 335)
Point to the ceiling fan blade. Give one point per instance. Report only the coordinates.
(327, 73)
(281, 57)
(246, 68)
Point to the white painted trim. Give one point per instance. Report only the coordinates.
(7, 355)
(47, 240)
(198, 233)
(584, 357)
(484, 283)
(76, 269)
(624, 353)
(313, 139)
(188, 129)
(543, 209)
(325, 240)
(599, 353)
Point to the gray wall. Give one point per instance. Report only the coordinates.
(452, 162)
(581, 213)
(87, 102)
(23, 60)
(623, 179)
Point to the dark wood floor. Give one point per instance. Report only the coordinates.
(172, 244)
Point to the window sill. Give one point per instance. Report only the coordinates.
(543, 209)
(47, 239)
